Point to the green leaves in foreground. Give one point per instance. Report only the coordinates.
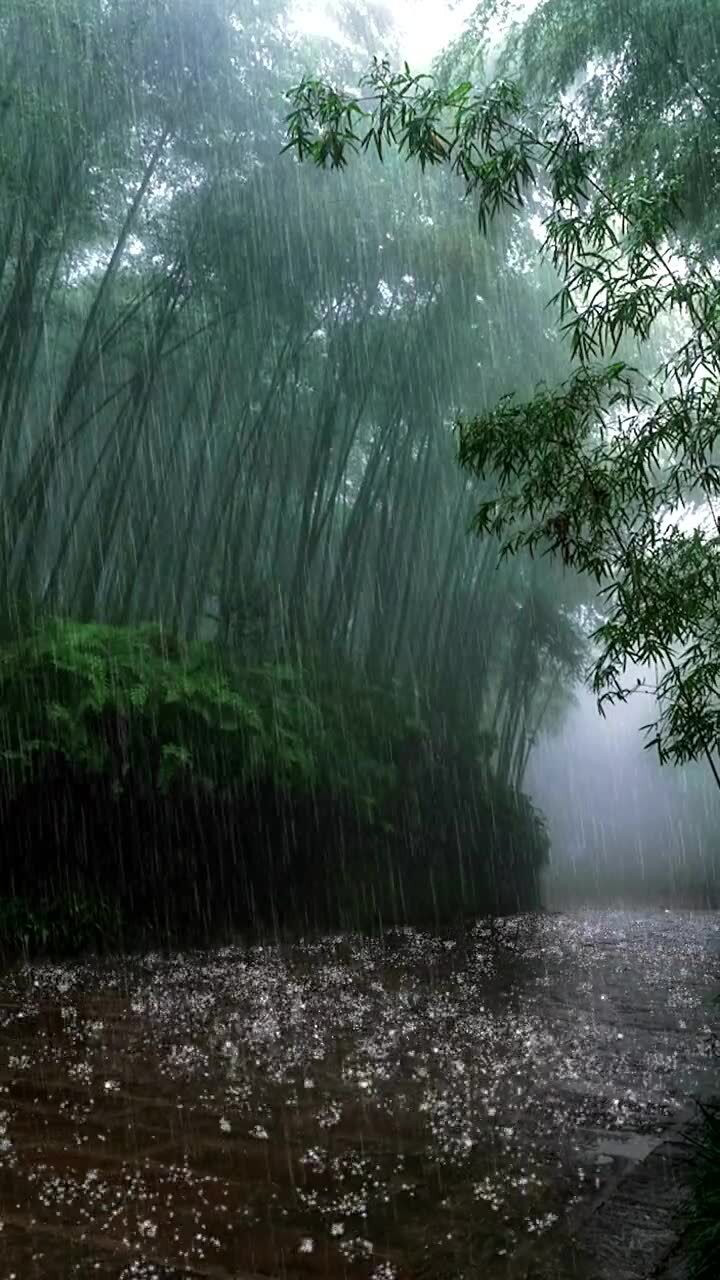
(578, 473)
(459, 127)
(615, 472)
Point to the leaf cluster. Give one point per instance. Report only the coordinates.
(601, 469)
(642, 80)
(457, 126)
(136, 703)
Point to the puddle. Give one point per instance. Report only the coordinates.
(384, 1109)
(629, 1146)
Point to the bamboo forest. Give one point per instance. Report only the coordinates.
(360, 639)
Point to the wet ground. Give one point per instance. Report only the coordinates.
(411, 1107)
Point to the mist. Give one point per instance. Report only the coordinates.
(340, 406)
(624, 829)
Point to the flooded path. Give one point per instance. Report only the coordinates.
(412, 1108)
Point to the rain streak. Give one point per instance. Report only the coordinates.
(359, 639)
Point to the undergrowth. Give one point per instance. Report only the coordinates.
(188, 788)
(68, 925)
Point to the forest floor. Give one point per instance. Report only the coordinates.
(414, 1107)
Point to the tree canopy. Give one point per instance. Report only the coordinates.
(603, 468)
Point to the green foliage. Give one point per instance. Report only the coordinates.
(168, 324)
(116, 700)
(67, 925)
(601, 470)
(644, 80)
(197, 394)
(308, 793)
(108, 698)
(458, 127)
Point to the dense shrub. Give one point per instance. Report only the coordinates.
(199, 793)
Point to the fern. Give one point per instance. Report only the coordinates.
(108, 699)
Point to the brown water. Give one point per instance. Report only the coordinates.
(415, 1106)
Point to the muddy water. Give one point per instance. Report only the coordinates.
(415, 1106)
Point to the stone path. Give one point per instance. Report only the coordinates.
(503, 1105)
(632, 1231)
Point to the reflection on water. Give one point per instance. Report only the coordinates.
(412, 1106)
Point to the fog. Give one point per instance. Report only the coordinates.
(624, 828)
(339, 935)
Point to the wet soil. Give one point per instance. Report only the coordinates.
(408, 1107)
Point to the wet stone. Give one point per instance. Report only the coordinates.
(396, 1108)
